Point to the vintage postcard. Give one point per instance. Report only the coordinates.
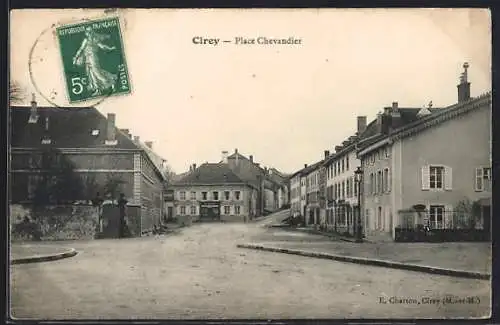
(250, 164)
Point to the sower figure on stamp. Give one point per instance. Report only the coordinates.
(98, 79)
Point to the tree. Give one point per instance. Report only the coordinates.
(16, 93)
(57, 182)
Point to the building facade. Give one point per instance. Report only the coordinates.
(341, 188)
(295, 194)
(62, 156)
(414, 165)
(213, 192)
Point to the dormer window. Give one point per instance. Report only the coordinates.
(111, 142)
(95, 132)
(423, 112)
(46, 141)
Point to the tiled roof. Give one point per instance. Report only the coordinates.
(407, 116)
(210, 173)
(67, 128)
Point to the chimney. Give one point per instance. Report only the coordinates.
(126, 132)
(194, 166)
(305, 165)
(464, 86)
(136, 138)
(251, 158)
(34, 110)
(224, 156)
(111, 129)
(338, 148)
(327, 154)
(361, 124)
(236, 150)
(149, 144)
(379, 122)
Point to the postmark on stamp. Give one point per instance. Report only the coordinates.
(93, 59)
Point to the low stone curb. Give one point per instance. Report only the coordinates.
(373, 262)
(44, 258)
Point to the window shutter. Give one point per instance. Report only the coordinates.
(426, 178)
(478, 181)
(448, 178)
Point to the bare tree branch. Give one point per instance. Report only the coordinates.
(16, 93)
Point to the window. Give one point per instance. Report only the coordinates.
(436, 213)
(386, 180)
(380, 185)
(483, 179)
(182, 195)
(183, 210)
(193, 195)
(343, 189)
(436, 177)
(387, 152)
(237, 195)
(215, 196)
(227, 209)
(236, 209)
(226, 195)
(204, 196)
(193, 210)
(342, 164)
(347, 163)
(348, 187)
(372, 183)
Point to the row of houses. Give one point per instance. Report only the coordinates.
(234, 189)
(66, 155)
(406, 160)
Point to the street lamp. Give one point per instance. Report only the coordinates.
(358, 174)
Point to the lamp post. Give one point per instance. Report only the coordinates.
(358, 174)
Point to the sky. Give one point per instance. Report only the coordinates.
(283, 104)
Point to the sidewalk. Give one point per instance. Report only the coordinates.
(21, 253)
(471, 257)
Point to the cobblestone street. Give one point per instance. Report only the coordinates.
(200, 273)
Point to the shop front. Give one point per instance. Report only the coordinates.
(210, 211)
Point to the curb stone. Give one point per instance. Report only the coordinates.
(44, 258)
(373, 262)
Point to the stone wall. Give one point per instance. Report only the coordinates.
(53, 222)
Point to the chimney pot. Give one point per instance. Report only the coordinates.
(394, 106)
(305, 165)
(327, 154)
(194, 166)
(464, 86)
(111, 127)
(236, 150)
(361, 124)
(251, 158)
(224, 156)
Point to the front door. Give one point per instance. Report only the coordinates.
(170, 213)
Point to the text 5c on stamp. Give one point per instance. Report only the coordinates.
(93, 59)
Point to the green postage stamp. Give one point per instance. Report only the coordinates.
(93, 59)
